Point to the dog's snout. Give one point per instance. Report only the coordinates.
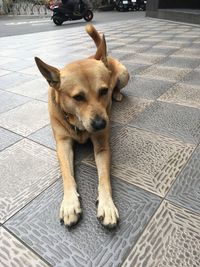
(98, 123)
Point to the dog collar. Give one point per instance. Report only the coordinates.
(73, 127)
(66, 116)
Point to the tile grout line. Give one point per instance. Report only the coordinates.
(27, 246)
(30, 201)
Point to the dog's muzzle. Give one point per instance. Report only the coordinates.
(98, 123)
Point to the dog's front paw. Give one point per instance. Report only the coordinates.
(70, 210)
(107, 213)
(117, 96)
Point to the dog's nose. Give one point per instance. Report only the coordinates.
(98, 123)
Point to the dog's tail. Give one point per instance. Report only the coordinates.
(93, 33)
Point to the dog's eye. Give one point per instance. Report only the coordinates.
(103, 91)
(79, 98)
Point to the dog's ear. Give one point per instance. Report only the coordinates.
(51, 74)
(101, 53)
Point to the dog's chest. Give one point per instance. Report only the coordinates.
(80, 137)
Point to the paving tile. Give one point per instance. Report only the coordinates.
(193, 78)
(7, 138)
(134, 68)
(173, 120)
(44, 136)
(129, 108)
(12, 79)
(147, 160)
(143, 58)
(188, 52)
(10, 101)
(172, 238)
(165, 73)
(18, 64)
(146, 88)
(4, 72)
(26, 170)
(38, 224)
(37, 89)
(183, 94)
(161, 50)
(14, 253)
(185, 191)
(181, 62)
(26, 118)
(31, 71)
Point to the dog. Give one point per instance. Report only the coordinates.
(79, 101)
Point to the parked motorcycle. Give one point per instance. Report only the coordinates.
(62, 12)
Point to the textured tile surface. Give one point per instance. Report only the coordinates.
(157, 152)
(129, 108)
(186, 189)
(37, 88)
(183, 94)
(26, 119)
(146, 88)
(7, 138)
(14, 253)
(165, 73)
(172, 120)
(39, 227)
(181, 62)
(26, 169)
(172, 238)
(10, 101)
(146, 160)
(13, 79)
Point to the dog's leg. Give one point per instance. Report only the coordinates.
(106, 210)
(70, 207)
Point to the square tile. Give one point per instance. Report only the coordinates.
(44, 136)
(146, 88)
(172, 238)
(18, 64)
(193, 78)
(161, 50)
(38, 224)
(26, 170)
(14, 78)
(134, 68)
(129, 108)
(10, 101)
(4, 72)
(26, 119)
(164, 73)
(147, 160)
(181, 62)
(188, 52)
(186, 189)
(175, 121)
(183, 94)
(14, 253)
(37, 89)
(7, 138)
(143, 58)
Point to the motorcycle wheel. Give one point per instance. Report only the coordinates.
(88, 15)
(57, 21)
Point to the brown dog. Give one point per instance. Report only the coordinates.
(80, 97)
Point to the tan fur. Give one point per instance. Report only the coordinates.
(80, 98)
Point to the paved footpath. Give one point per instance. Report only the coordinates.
(155, 141)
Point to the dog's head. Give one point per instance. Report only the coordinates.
(85, 86)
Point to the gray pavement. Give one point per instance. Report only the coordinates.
(155, 143)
